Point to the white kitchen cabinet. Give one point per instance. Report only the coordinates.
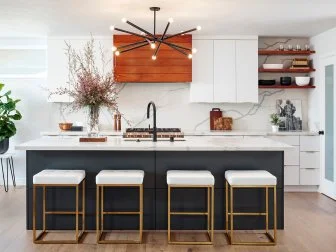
(290, 140)
(310, 160)
(310, 143)
(58, 72)
(292, 175)
(246, 71)
(309, 176)
(292, 156)
(224, 71)
(202, 87)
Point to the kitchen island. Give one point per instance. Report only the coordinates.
(216, 154)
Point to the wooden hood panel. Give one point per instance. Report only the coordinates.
(137, 65)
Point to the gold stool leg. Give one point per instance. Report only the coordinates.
(97, 213)
(169, 213)
(83, 206)
(208, 211)
(212, 213)
(77, 193)
(102, 209)
(44, 208)
(226, 207)
(141, 212)
(34, 213)
(266, 215)
(275, 214)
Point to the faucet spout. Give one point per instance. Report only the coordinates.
(154, 119)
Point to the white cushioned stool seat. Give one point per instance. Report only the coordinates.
(61, 177)
(120, 177)
(183, 177)
(250, 177)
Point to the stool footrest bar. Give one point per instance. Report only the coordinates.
(251, 214)
(62, 212)
(188, 213)
(122, 213)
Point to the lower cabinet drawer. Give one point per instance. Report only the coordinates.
(292, 175)
(309, 159)
(309, 176)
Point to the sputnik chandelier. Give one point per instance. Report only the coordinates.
(152, 39)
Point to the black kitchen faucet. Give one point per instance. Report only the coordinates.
(154, 119)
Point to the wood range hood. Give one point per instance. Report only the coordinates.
(137, 66)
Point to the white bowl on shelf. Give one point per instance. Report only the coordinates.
(302, 81)
(273, 66)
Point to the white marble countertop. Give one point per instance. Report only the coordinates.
(211, 143)
(192, 133)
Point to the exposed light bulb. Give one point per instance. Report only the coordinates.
(112, 27)
(189, 56)
(124, 20)
(194, 50)
(153, 46)
(142, 33)
(114, 48)
(170, 20)
(117, 53)
(199, 28)
(153, 57)
(182, 34)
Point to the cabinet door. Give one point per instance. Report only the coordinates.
(225, 71)
(292, 175)
(292, 156)
(201, 88)
(247, 70)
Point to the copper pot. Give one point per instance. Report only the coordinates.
(65, 126)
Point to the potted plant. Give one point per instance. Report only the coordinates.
(275, 121)
(8, 114)
(91, 87)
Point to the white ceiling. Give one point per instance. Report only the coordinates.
(220, 17)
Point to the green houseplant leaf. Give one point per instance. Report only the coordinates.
(8, 114)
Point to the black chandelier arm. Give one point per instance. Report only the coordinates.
(176, 48)
(135, 47)
(180, 33)
(132, 33)
(171, 44)
(133, 44)
(140, 29)
(162, 38)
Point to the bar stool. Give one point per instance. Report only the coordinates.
(118, 178)
(59, 178)
(192, 179)
(9, 164)
(249, 179)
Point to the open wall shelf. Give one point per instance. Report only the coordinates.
(278, 52)
(286, 70)
(292, 86)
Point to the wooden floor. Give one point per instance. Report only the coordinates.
(310, 225)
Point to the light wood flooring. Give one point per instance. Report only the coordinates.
(310, 225)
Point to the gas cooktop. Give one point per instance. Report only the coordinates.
(147, 133)
(151, 129)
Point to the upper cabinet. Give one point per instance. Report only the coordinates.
(58, 70)
(225, 70)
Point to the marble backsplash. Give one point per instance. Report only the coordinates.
(175, 110)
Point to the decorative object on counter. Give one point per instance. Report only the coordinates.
(90, 86)
(76, 128)
(8, 114)
(223, 123)
(152, 39)
(267, 82)
(148, 133)
(285, 81)
(215, 113)
(290, 115)
(93, 139)
(273, 66)
(299, 63)
(275, 121)
(302, 80)
(65, 126)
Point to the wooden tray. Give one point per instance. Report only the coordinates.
(92, 139)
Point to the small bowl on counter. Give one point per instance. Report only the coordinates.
(65, 126)
(273, 66)
(302, 81)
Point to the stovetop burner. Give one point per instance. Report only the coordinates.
(139, 130)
